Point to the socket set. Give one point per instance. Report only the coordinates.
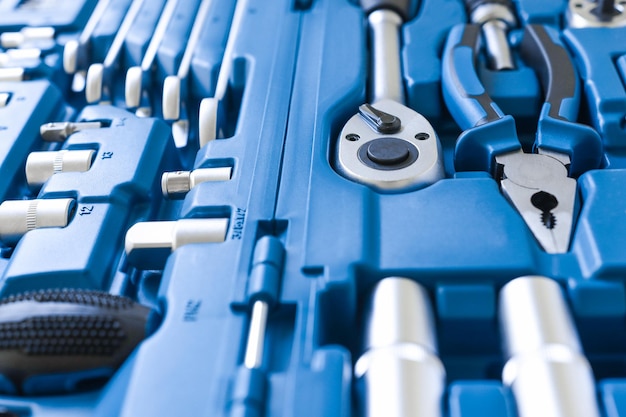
(340, 208)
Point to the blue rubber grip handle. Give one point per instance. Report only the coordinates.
(464, 94)
(487, 132)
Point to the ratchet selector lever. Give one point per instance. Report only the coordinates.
(387, 145)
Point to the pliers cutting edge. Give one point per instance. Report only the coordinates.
(541, 185)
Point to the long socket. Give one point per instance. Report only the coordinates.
(399, 369)
(545, 369)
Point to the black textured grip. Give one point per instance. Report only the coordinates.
(402, 7)
(472, 5)
(68, 332)
(553, 66)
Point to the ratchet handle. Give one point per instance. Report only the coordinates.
(557, 130)
(402, 7)
(472, 5)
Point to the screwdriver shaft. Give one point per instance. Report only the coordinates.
(157, 36)
(118, 41)
(256, 335)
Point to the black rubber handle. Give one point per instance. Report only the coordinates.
(554, 68)
(402, 7)
(66, 332)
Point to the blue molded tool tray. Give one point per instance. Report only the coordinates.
(287, 75)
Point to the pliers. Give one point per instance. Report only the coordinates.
(540, 185)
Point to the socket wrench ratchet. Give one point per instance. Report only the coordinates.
(387, 145)
(541, 185)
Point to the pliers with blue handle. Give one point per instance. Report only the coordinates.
(541, 185)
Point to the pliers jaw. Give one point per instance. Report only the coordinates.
(539, 188)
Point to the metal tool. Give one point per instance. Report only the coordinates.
(99, 80)
(40, 166)
(387, 145)
(602, 13)
(209, 111)
(263, 296)
(148, 244)
(495, 18)
(17, 217)
(76, 52)
(399, 368)
(23, 64)
(177, 184)
(29, 37)
(545, 369)
(537, 184)
(175, 89)
(52, 340)
(26, 57)
(59, 131)
(139, 78)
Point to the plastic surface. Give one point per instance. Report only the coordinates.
(310, 243)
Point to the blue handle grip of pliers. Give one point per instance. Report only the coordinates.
(557, 129)
(486, 130)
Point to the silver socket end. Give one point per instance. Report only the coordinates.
(546, 369)
(17, 217)
(399, 370)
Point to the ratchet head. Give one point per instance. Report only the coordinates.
(590, 13)
(390, 148)
(541, 191)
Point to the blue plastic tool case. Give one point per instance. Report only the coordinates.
(298, 72)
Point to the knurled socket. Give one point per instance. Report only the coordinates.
(40, 166)
(20, 216)
(177, 184)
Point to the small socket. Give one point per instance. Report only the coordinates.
(148, 243)
(40, 166)
(176, 185)
(20, 216)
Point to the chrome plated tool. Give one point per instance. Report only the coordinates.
(76, 52)
(541, 185)
(387, 145)
(175, 89)
(400, 371)
(139, 78)
(99, 80)
(545, 365)
(601, 13)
